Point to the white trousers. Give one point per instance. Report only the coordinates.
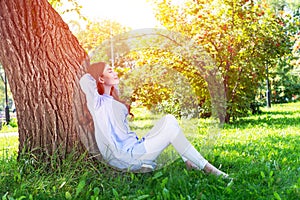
(165, 132)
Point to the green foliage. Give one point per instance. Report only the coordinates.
(239, 35)
(66, 6)
(285, 84)
(155, 74)
(260, 152)
(147, 90)
(160, 87)
(96, 39)
(13, 122)
(284, 74)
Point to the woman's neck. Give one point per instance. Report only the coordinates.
(107, 89)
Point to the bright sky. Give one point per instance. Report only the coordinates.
(133, 13)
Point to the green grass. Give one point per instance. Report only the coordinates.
(261, 152)
(11, 127)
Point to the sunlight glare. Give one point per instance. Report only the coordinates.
(131, 13)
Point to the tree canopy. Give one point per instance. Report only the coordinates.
(241, 36)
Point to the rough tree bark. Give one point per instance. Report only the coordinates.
(43, 62)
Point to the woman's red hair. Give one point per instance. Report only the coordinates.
(96, 70)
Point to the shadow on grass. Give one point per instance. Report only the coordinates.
(276, 119)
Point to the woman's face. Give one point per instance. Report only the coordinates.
(109, 76)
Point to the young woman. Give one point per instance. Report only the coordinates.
(120, 147)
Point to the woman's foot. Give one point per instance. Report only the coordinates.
(209, 168)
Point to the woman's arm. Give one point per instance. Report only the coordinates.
(89, 87)
(88, 84)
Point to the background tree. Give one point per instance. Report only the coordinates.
(284, 78)
(152, 73)
(43, 62)
(99, 36)
(296, 53)
(239, 35)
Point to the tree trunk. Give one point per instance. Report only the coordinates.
(43, 62)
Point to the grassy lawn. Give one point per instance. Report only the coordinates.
(261, 153)
(11, 127)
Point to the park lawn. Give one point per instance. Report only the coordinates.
(261, 153)
(11, 127)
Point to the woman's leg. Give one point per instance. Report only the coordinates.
(167, 131)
